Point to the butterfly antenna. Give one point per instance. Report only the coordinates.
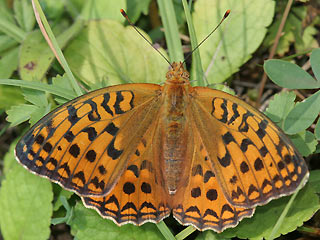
(224, 17)
(134, 27)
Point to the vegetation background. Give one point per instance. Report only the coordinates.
(101, 50)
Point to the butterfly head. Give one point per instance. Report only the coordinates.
(177, 74)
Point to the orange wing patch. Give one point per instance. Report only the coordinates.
(139, 195)
(253, 160)
(82, 144)
(201, 202)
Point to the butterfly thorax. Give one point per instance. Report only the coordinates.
(174, 136)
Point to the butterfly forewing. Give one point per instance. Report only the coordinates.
(251, 157)
(84, 144)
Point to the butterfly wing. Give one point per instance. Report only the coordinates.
(201, 202)
(84, 145)
(139, 195)
(250, 156)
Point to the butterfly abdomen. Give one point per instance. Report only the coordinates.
(175, 134)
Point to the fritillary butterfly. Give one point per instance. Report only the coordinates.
(137, 152)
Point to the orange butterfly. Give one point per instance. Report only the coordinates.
(136, 152)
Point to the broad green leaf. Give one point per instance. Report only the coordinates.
(25, 203)
(302, 115)
(305, 142)
(236, 39)
(9, 63)
(87, 224)
(107, 51)
(289, 75)
(101, 9)
(136, 7)
(261, 224)
(315, 63)
(36, 56)
(280, 106)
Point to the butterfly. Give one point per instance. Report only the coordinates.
(137, 152)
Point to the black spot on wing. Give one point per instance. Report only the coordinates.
(111, 129)
(112, 151)
(72, 115)
(104, 104)
(92, 133)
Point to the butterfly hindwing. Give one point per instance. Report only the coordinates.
(139, 195)
(252, 158)
(84, 144)
(201, 202)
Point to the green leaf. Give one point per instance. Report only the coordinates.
(292, 30)
(25, 199)
(314, 180)
(87, 224)
(222, 87)
(236, 39)
(36, 56)
(63, 193)
(280, 106)
(136, 7)
(9, 63)
(6, 43)
(35, 97)
(315, 60)
(261, 224)
(53, 9)
(289, 75)
(302, 115)
(305, 142)
(20, 113)
(67, 94)
(24, 14)
(10, 96)
(8, 161)
(24, 112)
(101, 9)
(105, 50)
